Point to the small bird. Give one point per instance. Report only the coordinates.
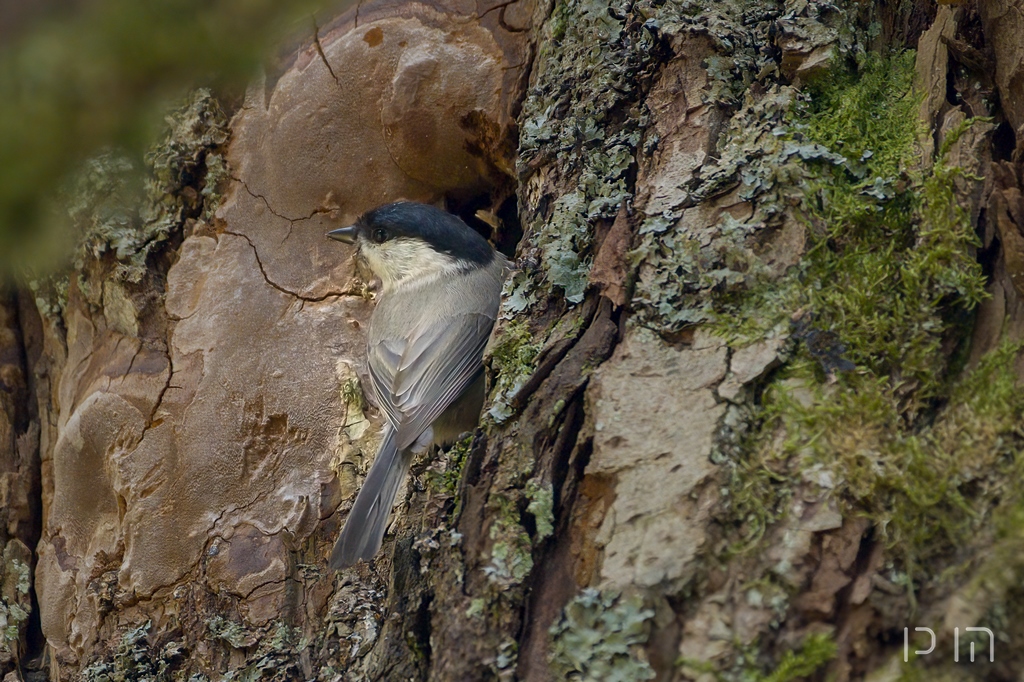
(440, 292)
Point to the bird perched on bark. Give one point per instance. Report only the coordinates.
(440, 291)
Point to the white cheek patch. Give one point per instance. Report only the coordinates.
(400, 259)
(372, 259)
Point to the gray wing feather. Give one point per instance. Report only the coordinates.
(433, 368)
(383, 362)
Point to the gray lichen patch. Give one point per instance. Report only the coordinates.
(742, 30)
(730, 226)
(600, 636)
(511, 549)
(132, 660)
(582, 113)
(694, 257)
(267, 653)
(121, 209)
(688, 253)
(102, 205)
(15, 602)
(188, 152)
(230, 632)
(355, 617)
(541, 507)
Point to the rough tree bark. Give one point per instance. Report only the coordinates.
(753, 406)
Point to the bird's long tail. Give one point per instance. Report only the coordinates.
(364, 529)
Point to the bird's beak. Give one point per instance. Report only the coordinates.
(344, 234)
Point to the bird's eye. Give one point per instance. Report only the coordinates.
(380, 235)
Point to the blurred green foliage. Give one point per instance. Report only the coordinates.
(96, 74)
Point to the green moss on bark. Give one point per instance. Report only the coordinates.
(890, 268)
(512, 363)
(814, 652)
(889, 278)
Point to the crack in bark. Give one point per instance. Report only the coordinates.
(320, 51)
(545, 366)
(315, 212)
(214, 532)
(501, 6)
(160, 396)
(509, 27)
(387, 148)
(131, 363)
(175, 318)
(305, 299)
(280, 581)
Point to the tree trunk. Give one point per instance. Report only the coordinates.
(753, 408)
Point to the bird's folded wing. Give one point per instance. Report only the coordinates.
(416, 378)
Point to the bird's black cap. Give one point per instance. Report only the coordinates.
(443, 231)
